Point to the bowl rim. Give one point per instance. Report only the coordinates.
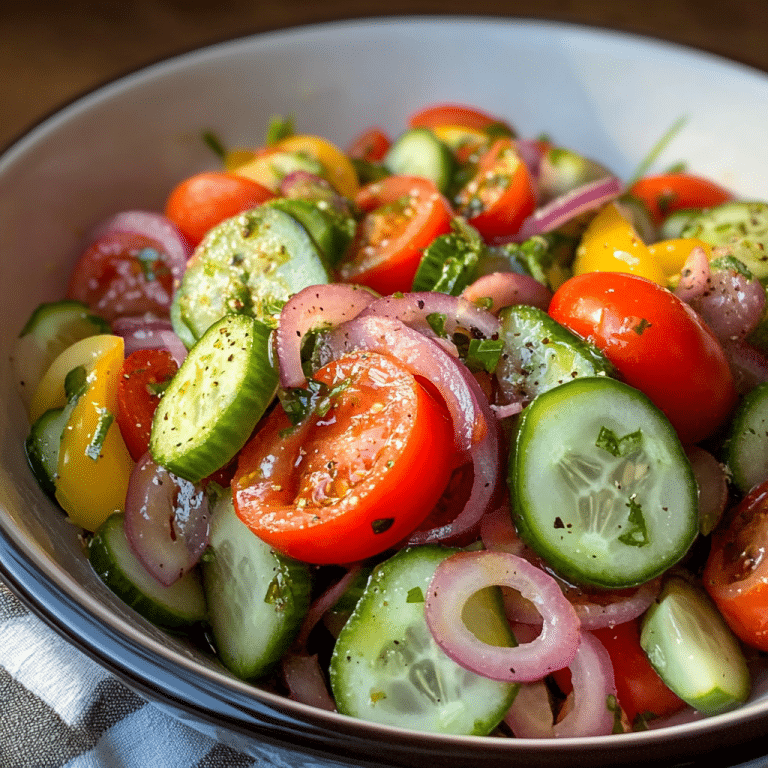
(270, 717)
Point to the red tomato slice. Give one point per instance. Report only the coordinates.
(403, 215)
(371, 146)
(736, 573)
(669, 192)
(202, 201)
(501, 194)
(639, 688)
(340, 486)
(455, 114)
(143, 377)
(657, 343)
(123, 274)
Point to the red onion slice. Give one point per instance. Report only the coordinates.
(305, 681)
(506, 289)
(748, 364)
(149, 333)
(562, 209)
(166, 520)
(156, 226)
(712, 482)
(593, 687)
(530, 716)
(458, 577)
(313, 307)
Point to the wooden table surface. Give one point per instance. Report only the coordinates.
(53, 50)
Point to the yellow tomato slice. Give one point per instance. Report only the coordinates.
(94, 464)
(611, 244)
(339, 169)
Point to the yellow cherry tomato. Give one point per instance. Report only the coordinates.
(671, 254)
(235, 158)
(94, 464)
(462, 140)
(611, 244)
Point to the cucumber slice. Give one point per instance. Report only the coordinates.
(418, 152)
(746, 447)
(387, 668)
(249, 264)
(51, 328)
(215, 399)
(257, 598)
(539, 354)
(178, 606)
(693, 650)
(42, 447)
(600, 485)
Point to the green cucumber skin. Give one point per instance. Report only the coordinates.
(745, 451)
(385, 658)
(178, 607)
(418, 152)
(693, 650)
(42, 447)
(550, 441)
(215, 400)
(249, 264)
(251, 631)
(540, 354)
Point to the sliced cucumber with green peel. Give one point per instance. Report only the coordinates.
(250, 264)
(418, 152)
(257, 598)
(600, 484)
(539, 354)
(746, 447)
(387, 668)
(214, 401)
(176, 607)
(42, 447)
(693, 650)
(50, 329)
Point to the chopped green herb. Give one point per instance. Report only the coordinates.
(617, 446)
(213, 142)
(484, 354)
(75, 383)
(436, 322)
(415, 595)
(637, 536)
(93, 449)
(279, 128)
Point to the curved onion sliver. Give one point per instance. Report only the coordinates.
(593, 685)
(505, 289)
(149, 333)
(313, 307)
(712, 481)
(458, 577)
(530, 716)
(748, 364)
(305, 681)
(166, 520)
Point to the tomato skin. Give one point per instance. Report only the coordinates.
(639, 688)
(501, 195)
(454, 114)
(115, 280)
(736, 572)
(403, 215)
(666, 193)
(142, 376)
(205, 199)
(371, 145)
(657, 343)
(339, 487)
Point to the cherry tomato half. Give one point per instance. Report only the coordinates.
(736, 573)
(339, 487)
(455, 114)
(202, 201)
(371, 146)
(657, 343)
(403, 215)
(669, 192)
(500, 195)
(123, 274)
(140, 385)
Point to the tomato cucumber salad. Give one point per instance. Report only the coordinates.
(452, 430)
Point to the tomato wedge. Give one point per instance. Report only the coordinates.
(455, 114)
(403, 215)
(500, 195)
(371, 145)
(205, 199)
(339, 487)
(143, 377)
(669, 192)
(736, 572)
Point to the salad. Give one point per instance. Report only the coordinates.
(452, 430)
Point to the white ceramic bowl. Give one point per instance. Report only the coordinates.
(606, 95)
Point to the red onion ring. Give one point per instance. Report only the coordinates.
(458, 577)
(593, 684)
(313, 307)
(166, 520)
(305, 681)
(175, 247)
(506, 289)
(530, 716)
(712, 482)
(149, 333)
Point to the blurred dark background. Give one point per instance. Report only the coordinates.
(53, 50)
